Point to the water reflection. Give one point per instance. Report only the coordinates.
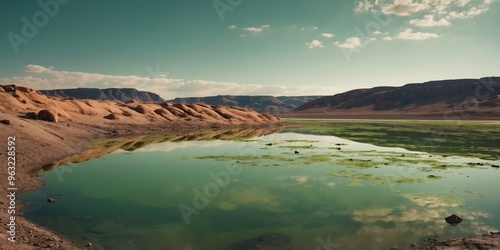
(132, 196)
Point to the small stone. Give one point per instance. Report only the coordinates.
(51, 200)
(413, 244)
(6, 122)
(453, 219)
(111, 117)
(495, 166)
(296, 152)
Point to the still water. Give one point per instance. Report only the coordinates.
(323, 192)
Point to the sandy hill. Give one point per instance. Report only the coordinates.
(117, 94)
(448, 99)
(262, 104)
(34, 104)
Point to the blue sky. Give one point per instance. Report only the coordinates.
(180, 48)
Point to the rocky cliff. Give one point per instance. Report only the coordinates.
(262, 104)
(429, 98)
(118, 94)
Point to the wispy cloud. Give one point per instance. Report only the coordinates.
(408, 34)
(315, 44)
(403, 7)
(420, 13)
(327, 35)
(40, 77)
(444, 10)
(428, 21)
(257, 29)
(349, 43)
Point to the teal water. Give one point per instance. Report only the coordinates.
(359, 197)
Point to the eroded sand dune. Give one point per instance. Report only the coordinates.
(26, 100)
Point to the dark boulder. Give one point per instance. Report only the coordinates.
(111, 117)
(31, 115)
(453, 219)
(48, 115)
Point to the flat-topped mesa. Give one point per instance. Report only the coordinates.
(29, 101)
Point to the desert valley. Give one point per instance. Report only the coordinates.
(250, 125)
(53, 132)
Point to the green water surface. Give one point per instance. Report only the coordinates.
(351, 194)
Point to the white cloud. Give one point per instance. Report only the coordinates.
(232, 27)
(462, 3)
(447, 9)
(40, 77)
(363, 6)
(408, 34)
(257, 29)
(403, 7)
(30, 68)
(327, 35)
(315, 44)
(253, 29)
(428, 21)
(308, 28)
(350, 43)
(388, 38)
(377, 32)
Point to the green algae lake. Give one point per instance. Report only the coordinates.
(319, 184)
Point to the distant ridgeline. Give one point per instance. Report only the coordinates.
(484, 92)
(261, 104)
(118, 94)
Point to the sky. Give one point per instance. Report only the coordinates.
(185, 48)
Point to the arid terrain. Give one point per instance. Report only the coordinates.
(62, 133)
(463, 99)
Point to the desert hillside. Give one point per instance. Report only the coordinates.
(117, 94)
(262, 104)
(448, 99)
(30, 103)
